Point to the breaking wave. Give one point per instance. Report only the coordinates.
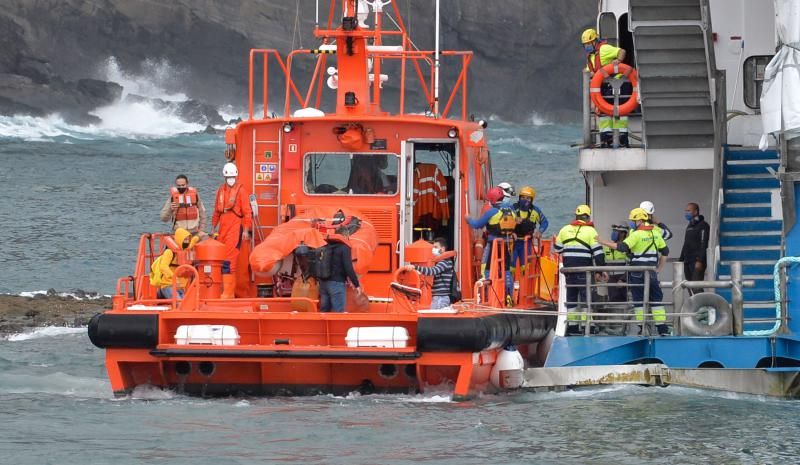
(124, 118)
(47, 331)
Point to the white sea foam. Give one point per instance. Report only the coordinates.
(123, 118)
(84, 296)
(47, 331)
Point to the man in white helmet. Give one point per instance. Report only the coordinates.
(233, 215)
(508, 192)
(658, 228)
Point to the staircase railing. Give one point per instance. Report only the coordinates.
(718, 194)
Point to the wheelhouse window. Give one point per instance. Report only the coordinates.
(753, 81)
(351, 173)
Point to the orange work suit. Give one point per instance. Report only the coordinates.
(233, 214)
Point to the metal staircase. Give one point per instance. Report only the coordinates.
(750, 231)
(673, 57)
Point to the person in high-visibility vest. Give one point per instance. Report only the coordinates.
(530, 222)
(619, 232)
(578, 246)
(599, 54)
(646, 248)
(658, 227)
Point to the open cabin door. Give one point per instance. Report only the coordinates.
(437, 162)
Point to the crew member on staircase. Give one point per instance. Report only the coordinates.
(500, 222)
(647, 248)
(233, 216)
(658, 227)
(184, 209)
(599, 54)
(695, 244)
(578, 246)
(530, 222)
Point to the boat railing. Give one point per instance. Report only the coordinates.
(596, 312)
(536, 278)
(423, 63)
(591, 132)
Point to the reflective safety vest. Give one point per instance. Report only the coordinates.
(530, 218)
(224, 205)
(430, 192)
(615, 258)
(645, 244)
(187, 204)
(502, 223)
(577, 245)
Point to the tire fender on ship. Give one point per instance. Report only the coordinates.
(723, 322)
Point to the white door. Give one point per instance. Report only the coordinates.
(406, 198)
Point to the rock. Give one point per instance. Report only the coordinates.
(37, 69)
(52, 292)
(99, 93)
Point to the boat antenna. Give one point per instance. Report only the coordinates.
(316, 14)
(436, 67)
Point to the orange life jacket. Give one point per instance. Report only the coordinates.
(187, 203)
(430, 192)
(224, 205)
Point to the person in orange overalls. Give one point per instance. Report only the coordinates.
(233, 215)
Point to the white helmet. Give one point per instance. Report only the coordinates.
(508, 189)
(648, 207)
(230, 170)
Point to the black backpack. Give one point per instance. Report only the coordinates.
(455, 288)
(321, 262)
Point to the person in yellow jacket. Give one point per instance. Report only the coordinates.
(599, 54)
(162, 271)
(646, 248)
(578, 246)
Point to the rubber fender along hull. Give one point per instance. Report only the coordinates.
(480, 333)
(124, 331)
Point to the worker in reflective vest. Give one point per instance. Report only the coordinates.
(578, 246)
(599, 54)
(233, 216)
(646, 248)
(658, 227)
(184, 209)
(530, 222)
(616, 258)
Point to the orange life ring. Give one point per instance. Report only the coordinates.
(606, 107)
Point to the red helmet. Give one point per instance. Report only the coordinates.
(495, 194)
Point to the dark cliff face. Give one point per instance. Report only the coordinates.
(527, 54)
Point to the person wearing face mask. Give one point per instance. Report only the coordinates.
(646, 248)
(695, 243)
(599, 54)
(184, 209)
(233, 216)
(442, 272)
(530, 222)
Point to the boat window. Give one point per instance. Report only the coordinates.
(754, 67)
(608, 27)
(351, 173)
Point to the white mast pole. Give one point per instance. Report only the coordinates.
(436, 67)
(316, 15)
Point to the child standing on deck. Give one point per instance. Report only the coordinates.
(443, 272)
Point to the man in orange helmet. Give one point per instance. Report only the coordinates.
(233, 215)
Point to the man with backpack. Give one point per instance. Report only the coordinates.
(443, 272)
(333, 267)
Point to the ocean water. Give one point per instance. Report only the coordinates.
(56, 408)
(76, 201)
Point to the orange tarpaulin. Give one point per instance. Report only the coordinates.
(266, 257)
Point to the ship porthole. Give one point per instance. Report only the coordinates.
(183, 368)
(387, 371)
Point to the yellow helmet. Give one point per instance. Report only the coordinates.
(583, 210)
(589, 35)
(638, 214)
(528, 191)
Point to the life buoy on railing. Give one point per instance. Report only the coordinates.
(723, 321)
(597, 81)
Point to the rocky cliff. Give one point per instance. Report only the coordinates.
(526, 51)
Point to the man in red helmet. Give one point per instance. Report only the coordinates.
(500, 220)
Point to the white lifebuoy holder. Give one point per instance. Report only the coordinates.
(692, 326)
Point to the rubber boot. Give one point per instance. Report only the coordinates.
(228, 286)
